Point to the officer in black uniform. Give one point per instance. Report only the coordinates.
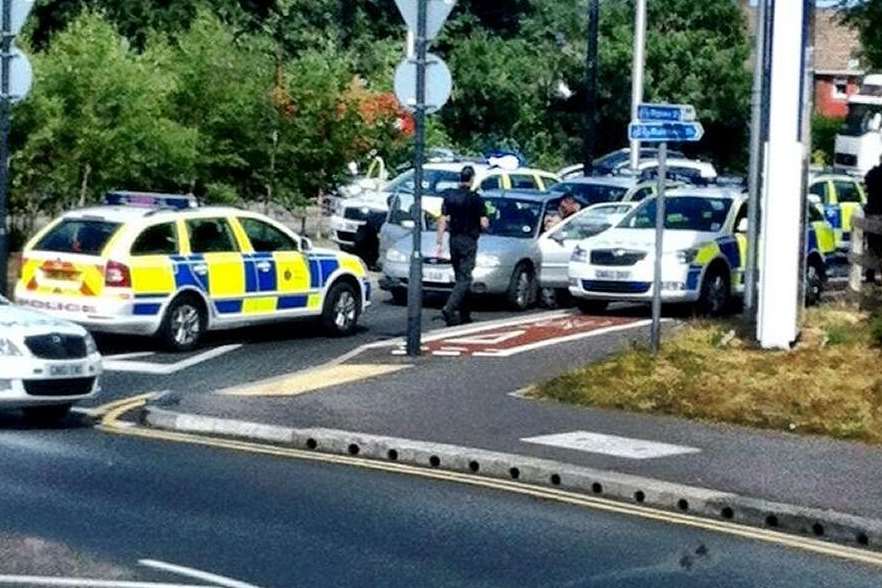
(873, 182)
(463, 216)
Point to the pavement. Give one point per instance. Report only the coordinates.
(86, 509)
(467, 392)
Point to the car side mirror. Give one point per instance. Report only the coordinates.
(305, 244)
(743, 226)
(815, 199)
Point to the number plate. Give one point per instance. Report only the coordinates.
(350, 227)
(438, 276)
(64, 371)
(612, 275)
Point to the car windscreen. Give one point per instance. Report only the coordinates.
(78, 235)
(402, 209)
(588, 194)
(510, 217)
(435, 181)
(861, 119)
(682, 213)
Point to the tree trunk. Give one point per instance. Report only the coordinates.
(84, 185)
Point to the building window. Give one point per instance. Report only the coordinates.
(840, 88)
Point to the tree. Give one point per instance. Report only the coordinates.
(96, 120)
(866, 17)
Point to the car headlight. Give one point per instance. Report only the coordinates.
(579, 255)
(91, 346)
(8, 348)
(484, 260)
(687, 256)
(395, 256)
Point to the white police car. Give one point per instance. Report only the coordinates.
(46, 364)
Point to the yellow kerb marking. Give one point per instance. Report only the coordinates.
(310, 381)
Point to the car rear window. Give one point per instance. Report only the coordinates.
(81, 236)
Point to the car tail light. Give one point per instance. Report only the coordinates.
(117, 275)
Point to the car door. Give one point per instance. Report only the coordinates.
(216, 264)
(849, 197)
(152, 268)
(280, 269)
(557, 246)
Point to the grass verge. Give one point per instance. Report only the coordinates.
(830, 384)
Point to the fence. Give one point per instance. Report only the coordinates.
(862, 259)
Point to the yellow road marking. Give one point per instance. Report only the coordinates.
(104, 409)
(303, 382)
(110, 424)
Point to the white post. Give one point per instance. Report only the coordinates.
(637, 73)
(782, 224)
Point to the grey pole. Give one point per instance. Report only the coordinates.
(415, 283)
(659, 247)
(754, 175)
(637, 73)
(5, 48)
(590, 139)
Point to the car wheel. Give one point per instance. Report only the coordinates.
(399, 296)
(341, 310)
(521, 288)
(46, 414)
(814, 283)
(591, 306)
(716, 293)
(184, 324)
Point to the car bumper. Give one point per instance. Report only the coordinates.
(29, 381)
(101, 314)
(484, 280)
(680, 283)
(343, 231)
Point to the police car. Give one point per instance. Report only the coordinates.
(705, 247)
(155, 264)
(840, 195)
(46, 364)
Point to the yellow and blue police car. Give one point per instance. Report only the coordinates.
(839, 195)
(705, 248)
(158, 264)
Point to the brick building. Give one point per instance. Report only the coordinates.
(838, 71)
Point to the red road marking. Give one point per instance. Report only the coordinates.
(509, 340)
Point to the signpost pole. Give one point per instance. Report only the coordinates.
(5, 57)
(415, 283)
(659, 247)
(639, 63)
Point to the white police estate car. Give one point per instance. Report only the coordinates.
(46, 364)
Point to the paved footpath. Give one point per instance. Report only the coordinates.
(465, 392)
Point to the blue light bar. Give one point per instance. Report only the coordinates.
(150, 200)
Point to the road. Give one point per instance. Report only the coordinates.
(246, 355)
(77, 502)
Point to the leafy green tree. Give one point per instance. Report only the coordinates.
(96, 120)
(866, 17)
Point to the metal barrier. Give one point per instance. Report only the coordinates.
(862, 260)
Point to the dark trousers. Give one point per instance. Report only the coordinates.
(463, 251)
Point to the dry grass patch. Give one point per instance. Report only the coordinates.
(831, 384)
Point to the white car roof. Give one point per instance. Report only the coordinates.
(620, 181)
(128, 214)
(706, 192)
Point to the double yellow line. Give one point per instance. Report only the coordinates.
(111, 423)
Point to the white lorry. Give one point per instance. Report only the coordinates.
(859, 142)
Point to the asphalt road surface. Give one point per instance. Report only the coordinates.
(79, 503)
(230, 358)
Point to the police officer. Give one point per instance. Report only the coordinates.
(463, 216)
(873, 182)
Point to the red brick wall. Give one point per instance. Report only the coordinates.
(826, 104)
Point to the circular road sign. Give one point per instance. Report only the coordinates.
(21, 76)
(439, 83)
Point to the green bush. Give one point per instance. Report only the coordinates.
(824, 131)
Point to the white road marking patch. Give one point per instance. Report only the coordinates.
(611, 445)
(48, 581)
(447, 353)
(158, 369)
(135, 355)
(489, 339)
(195, 574)
(569, 338)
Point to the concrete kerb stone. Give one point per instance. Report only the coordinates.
(820, 524)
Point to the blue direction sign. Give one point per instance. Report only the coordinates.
(661, 132)
(666, 113)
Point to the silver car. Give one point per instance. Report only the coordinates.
(508, 259)
(558, 243)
